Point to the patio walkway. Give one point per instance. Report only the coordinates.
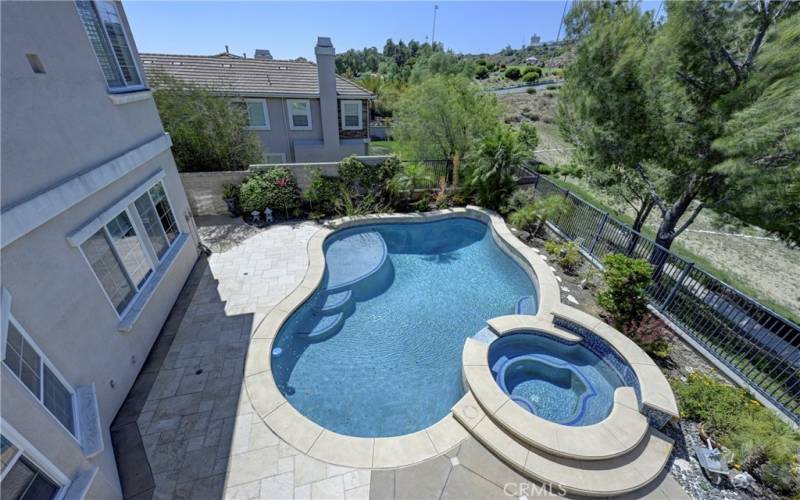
(198, 430)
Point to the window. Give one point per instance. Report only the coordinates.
(129, 249)
(257, 114)
(121, 259)
(103, 262)
(299, 114)
(21, 479)
(27, 363)
(164, 211)
(107, 35)
(351, 115)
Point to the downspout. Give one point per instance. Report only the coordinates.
(285, 113)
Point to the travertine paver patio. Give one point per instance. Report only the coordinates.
(201, 437)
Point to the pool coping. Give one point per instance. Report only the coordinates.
(361, 452)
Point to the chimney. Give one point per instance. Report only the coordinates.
(263, 54)
(328, 104)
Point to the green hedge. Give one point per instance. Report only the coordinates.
(275, 188)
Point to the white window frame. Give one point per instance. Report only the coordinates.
(360, 115)
(40, 397)
(127, 204)
(26, 449)
(307, 102)
(263, 103)
(121, 88)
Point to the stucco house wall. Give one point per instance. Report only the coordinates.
(70, 151)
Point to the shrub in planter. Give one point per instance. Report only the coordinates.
(566, 254)
(275, 188)
(230, 193)
(625, 282)
(651, 335)
(513, 73)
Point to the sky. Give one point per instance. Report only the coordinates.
(290, 29)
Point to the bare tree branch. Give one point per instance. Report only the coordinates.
(653, 192)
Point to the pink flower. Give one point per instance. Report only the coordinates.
(282, 182)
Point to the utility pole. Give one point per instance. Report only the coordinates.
(433, 34)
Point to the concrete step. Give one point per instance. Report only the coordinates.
(615, 476)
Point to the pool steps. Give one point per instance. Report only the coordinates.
(334, 302)
(526, 305)
(613, 476)
(325, 328)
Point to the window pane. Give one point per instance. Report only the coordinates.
(129, 248)
(58, 400)
(300, 114)
(7, 452)
(113, 26)
(164, 211)
(22, 359)
(255, 112)
(17, 480)
(351, 108)
(152, 225)
(25, 482)
(107, 269)
(91, 22)
(351, 120)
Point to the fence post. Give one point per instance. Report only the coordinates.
(597, 232)
(678, 283)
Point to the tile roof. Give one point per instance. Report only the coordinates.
(240, 76)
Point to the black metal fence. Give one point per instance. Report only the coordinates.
(432, 173)
(754, 342)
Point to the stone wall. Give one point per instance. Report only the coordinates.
(204, 189)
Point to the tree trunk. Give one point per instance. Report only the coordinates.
(667, 230)
(456, 164)
(641, 216)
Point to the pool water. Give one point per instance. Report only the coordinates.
(564, 383)
(376, 351)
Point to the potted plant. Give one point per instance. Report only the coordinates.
(230, 193)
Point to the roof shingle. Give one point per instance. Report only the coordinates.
(239, 76)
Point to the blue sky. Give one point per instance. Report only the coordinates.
(289, 29)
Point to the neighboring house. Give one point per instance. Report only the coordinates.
(302, 112)
(533, 60)
(97, 242)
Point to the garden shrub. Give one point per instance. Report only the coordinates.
(531, 91)
(566, 254)
(323, 192)
(513, 73)
(625, 279)
(481, 72)
(530, 69)
(532, 217)
(651, 335)
(761, 443)
(275, 188)
(518, 199)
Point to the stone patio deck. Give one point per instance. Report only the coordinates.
(198, 434)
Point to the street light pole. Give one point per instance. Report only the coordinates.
(433, 34)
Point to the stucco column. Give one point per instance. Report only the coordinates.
(326, 70)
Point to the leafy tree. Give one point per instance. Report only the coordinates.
(626, 280)
(699, 62)
(761, 142)
(443, 116)
(492, 165)
(208, 131)
(440, 63)
(603, 107)
(528, 136)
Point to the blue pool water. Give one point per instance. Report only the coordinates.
(565, 383)
(376, 351)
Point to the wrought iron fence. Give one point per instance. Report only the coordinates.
(435, 170)
(754, 342)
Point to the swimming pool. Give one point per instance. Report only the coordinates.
(565, 383)
(376, 350)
